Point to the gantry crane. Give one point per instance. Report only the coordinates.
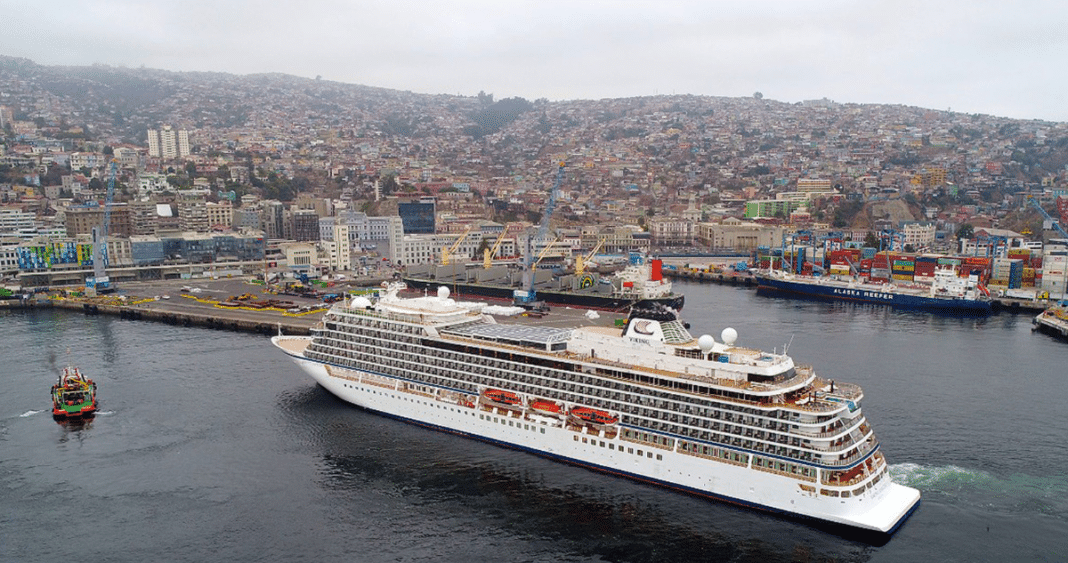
(100, 283)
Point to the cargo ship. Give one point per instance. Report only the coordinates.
(947, 294)
(646, 400)
(1053, 320)
(638, 283)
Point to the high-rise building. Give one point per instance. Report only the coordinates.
(305, 225)
(193, 215)
(417, 216)
(168, 143)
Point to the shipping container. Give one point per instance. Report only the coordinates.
(926, 268)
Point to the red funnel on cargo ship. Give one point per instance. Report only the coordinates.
(655, 273)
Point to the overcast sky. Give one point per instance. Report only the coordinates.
(999, 58)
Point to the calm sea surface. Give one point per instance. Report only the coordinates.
(212, 446)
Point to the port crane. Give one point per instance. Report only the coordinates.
(580, 260)
(489, 253)
(447, 252)
(100, 283)
(1056, 225)
(526, 297)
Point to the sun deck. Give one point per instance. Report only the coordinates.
(293, 344)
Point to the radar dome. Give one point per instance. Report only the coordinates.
(361, 302)
(729, 336)
(443, 292)
(705, 343)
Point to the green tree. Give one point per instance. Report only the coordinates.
(965, 231)
(870, 240)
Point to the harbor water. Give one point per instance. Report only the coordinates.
(212, 445)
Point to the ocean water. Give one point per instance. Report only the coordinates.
(211, 446)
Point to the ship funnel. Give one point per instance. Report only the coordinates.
(656, 270)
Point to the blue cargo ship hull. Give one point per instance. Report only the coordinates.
(842, 292)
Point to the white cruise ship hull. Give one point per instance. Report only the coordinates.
(880, 509)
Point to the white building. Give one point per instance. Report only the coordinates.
(426, 249)
(17, 223)
(919, 235)
(168, 143)
(79, 160)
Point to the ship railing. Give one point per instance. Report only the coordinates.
(776, 471)
(720, 382)
(864, 449)
(845, 432)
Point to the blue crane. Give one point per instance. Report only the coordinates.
(100, 282)
(1054, 222)
(527, 298)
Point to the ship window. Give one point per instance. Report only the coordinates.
(659, 457)
(542, 430)
(640, 453)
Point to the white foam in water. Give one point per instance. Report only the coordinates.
(28, 413)
(945, 478)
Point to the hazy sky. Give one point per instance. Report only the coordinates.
(1000, 58)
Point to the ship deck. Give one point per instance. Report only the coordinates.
(293, 345)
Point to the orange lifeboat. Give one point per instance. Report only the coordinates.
(593, 416)
(544, 405)
(501, 396)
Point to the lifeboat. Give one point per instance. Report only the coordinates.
(502, 397)
(545, 406)
(593, 416)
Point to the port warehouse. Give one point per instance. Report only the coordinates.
(70, 262)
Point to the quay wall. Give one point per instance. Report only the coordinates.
(217, 319)
(731, 278)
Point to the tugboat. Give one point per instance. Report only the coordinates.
(73, 396)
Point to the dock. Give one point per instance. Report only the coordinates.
(209, 304)
(745, 279)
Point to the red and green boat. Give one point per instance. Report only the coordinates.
(74, 395)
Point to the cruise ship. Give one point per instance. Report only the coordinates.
(646, 400)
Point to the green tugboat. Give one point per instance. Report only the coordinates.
(73, 396)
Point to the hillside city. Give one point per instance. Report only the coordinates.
(220, 172)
